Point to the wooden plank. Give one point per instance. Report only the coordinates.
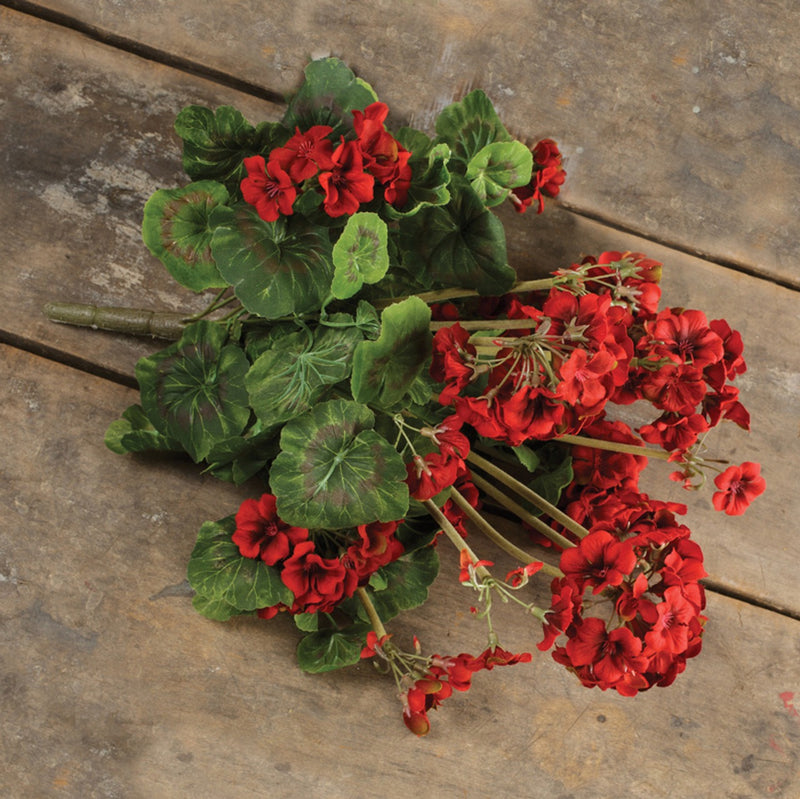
(87, 132)
(114, 686)
(678, 120)
(80, 241)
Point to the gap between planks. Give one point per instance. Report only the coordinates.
(260, 92)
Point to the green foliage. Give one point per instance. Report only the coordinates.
(226, 582)
(177, 229)
(193, 391)
(460, 244)
(326, 650)
(384, 370)
(470, 125)
(360, 255)
(216, 143)
(134, 433)
(276, 268)
(329, 91)
(335, 471)
(497, 168)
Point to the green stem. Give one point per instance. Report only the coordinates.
(372, 613)
(455, 537)
(539, 501)
(441, 295)
(493, 534)
(132, 321)
(613, 446)
(534, 521)
(487, 324)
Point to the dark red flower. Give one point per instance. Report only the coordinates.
(317, 583)
(268, 187)
(738, 487)
(346, 184)
(261, 533)
(599, 560)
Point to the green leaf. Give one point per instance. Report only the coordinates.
(469, 125)
(555, 465)
(385, 369)
(335, 471)
(307, 622)
(177, 229)
(460, 244)
(215, 144)
(497, 168)
(327, 650)
(239, 458)
(134, 433)
(429, 173)
(295, 372)
(276, 268)
(193, 391)
(214, 608)
(360, 255)
(329, 92)
(406, 582)
(220, 574)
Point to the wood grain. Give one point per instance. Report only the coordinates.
(679, 120)
(114, 687)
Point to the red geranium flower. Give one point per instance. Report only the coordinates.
(261, 533)
(738, 487)
(317, 583)
(346, 184)
(305, 153)
(599, 560)
(268, 188)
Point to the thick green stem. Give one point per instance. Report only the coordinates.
(493, 534)
(487, 324)
(372, 613)
(132, 321)
(455, 537)
(614, 446)
(539, 501)
(523, 515)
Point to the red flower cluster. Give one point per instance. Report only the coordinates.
(345, 173)
(547, 178)
(645, 570)
(318, 583)
(557, 375)
(430, 474)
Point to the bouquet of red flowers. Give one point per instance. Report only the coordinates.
(372, 365)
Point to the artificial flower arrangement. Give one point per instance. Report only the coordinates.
(373, 365)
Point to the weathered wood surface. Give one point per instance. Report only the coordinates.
(679, 120)
(114, 687)
(103, 142)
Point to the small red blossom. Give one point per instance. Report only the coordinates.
(497, 656)
(518, 577)
(268, 188)
(373, 644)
(468, 566)
(261, 533)
(738, 487)
(306, 153)
(346, 184)
(317, 583)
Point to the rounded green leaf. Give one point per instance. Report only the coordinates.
(469, 125)
(498, 168)
(177, 229)
(330, 90)
(223, 577)
(326, 650)
(276, 268)
(335, 471)
(360, 255)
(460, 244)
(385, 369)
(193, 391)
(294, 373)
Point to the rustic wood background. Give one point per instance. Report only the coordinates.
(680, 124)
